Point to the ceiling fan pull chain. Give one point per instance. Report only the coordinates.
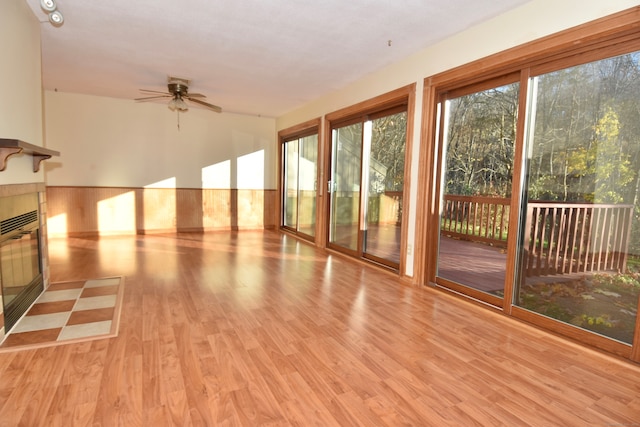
(178, 113)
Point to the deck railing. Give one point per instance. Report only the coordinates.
(561, 238)
(480, 219)
(565, 238)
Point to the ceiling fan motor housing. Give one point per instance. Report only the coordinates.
(178, 89)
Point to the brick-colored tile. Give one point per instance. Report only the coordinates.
(90, 316)
(51, 307)
(65, 285)
(32, 337)
(99, 291)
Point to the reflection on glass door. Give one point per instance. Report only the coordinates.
(579, 259)
(385, 165)
(477, 161)
(300, 160)
(290, 198)
(344, 186)
(366, 186)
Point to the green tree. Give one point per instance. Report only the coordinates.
(480, 143)
(388, 143)
(602, 168)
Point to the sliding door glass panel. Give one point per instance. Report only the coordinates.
(290, 201)
(476, 178)
(385, 186)
(344, 186)
(307, 184)
(580, 241)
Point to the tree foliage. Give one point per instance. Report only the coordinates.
(481, 134)
(388, 142)
(583, 144)
(602, 167)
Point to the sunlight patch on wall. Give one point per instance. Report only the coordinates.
(250, 175)
(117, 214)
(57, 225)
(159, 205)
(165, 183)
(217, 175)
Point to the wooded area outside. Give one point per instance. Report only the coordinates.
(300, 183)
(583, 149)
(368, 161)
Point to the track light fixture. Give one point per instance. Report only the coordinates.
(48, 5)
(55, 17)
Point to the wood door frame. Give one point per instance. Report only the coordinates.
(608, 36)
(301, 130)
(401, 96)
(439, 170)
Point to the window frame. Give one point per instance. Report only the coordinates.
(606, 37)
(400, 99)
(308, 128)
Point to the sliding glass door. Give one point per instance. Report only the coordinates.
(538, 195)
(579, 261)
(366, 186)
(478, 135)
(384, 171)
(344, 186)
(300, 165)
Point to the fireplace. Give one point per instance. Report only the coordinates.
(21, 276)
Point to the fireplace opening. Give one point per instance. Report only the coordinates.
(20, 261)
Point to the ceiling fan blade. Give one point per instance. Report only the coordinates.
(206, 104)
(149, 98)
(196, 95)
(153, 91)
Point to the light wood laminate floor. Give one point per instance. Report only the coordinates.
(257, 328)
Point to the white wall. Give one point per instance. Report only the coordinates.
(120, 143)
(21, 100)
(531, 21)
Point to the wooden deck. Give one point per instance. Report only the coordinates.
(472, 264)
(483, 267)
(254, 329)
(559, 238)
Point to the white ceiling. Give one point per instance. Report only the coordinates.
(259, 57)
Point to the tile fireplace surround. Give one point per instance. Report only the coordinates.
(19, 189)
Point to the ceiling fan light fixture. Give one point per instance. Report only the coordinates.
(177, 103)
(181, 105)
(56, 18)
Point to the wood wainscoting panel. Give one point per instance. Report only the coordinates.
(80, 211)
(75, 211)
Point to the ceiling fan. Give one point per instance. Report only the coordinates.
(178, 91)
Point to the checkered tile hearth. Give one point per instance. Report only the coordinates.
(69, 312)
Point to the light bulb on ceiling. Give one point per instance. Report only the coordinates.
(181, 105)
(56, 18)
(177, 103)
(48, 5)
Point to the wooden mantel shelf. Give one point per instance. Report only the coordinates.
(9, 147)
